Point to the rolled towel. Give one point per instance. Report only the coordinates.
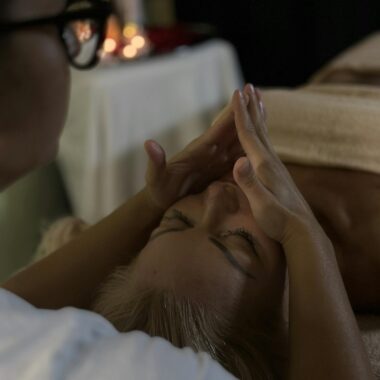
(326, 125)
(361, 60)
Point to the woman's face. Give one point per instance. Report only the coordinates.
(209, 247)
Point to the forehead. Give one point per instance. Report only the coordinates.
(15, 10)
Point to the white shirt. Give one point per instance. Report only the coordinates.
(80, 345)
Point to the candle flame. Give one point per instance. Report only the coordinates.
(129, 51)
(130, 30)
(138, 42)
(110, 45)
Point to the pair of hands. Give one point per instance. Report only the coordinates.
(238, 141)
(201, 162)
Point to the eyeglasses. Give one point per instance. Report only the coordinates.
(82, 28)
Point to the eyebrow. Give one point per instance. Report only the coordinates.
(221, 247)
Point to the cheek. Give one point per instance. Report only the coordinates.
(52, 76)
(38, 84)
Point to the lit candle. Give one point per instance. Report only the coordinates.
(130, 52)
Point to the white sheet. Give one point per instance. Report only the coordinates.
(75, 344)
(113, 110)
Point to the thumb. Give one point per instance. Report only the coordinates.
(247, 180)
(157, 160)
(266, 209)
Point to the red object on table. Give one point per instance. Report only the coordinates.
(164, 40)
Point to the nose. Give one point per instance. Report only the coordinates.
(220, 200)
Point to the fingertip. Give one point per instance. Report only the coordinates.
(155, 152)
(242, 167)
(237, 97)
(239, 101)
(146, 144)
(249, 88)
(258, 94)
(156, 146)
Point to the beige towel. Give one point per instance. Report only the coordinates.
(361, 60)
(326, 125)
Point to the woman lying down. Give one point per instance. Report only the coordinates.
(241, 267)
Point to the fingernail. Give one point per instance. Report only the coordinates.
(251, 88)
(244, 168)
(258, 93)
(156, 147)
(262, 108)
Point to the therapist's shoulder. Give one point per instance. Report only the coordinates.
(140, 356)
(79, 344)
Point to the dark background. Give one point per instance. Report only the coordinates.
(283, 42)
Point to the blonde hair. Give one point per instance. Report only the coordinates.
(185, 323)
(58, 234)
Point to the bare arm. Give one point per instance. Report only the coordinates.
(71, 275)
(325, 342)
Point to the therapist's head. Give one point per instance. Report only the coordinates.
(208, 278)
(34, 77)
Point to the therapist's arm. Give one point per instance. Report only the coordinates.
(324, 337)
(71, 275)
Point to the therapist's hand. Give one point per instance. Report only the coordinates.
(277, 205)
(204, 160)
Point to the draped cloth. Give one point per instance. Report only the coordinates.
(362, 59)
(326, 125)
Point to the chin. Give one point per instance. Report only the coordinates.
(46, 154)
(42, 156)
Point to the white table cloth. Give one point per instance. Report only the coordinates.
(113, 110)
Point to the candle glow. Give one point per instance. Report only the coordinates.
(130, 30)
(138, 42)
(129, 51)
(110, 45)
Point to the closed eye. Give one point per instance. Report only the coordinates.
(243, 234)
(246, 236)
(178, 215)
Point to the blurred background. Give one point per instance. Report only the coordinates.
(165, 74)
(281, 43)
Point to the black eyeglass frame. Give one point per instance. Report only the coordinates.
(100, 11)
